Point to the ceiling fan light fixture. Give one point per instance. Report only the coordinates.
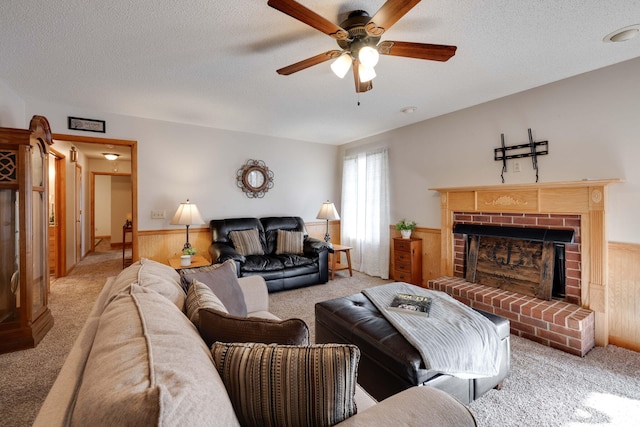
(368, 56)
(341, 66)
(366, 73)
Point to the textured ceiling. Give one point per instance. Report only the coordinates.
(212, 63)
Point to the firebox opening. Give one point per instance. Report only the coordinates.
(530, 261)
(559, 276)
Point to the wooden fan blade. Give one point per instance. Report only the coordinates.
(434, 52)
(309, 62)
(360, 86)
(387, 15)
(309, 17)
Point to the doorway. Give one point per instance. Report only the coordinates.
(110, 208)
(89, 149)
(57, 214)
(78, 199)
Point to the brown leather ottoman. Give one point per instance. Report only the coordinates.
(388, 362)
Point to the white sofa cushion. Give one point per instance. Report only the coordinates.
(154, 275)
(149, 366)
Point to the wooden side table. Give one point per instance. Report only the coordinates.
(196, 261)
(407, 260)
(335, 264)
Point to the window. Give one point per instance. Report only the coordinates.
(365, 211)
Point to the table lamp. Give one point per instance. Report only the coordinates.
(187, 214)
(328, 212)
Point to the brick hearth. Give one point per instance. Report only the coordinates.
(557, 324)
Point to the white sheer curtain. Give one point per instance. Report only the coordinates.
(365, 211)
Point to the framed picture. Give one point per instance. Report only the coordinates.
(89, 125)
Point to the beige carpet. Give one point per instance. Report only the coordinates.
(545, 388)
(28, 375)
(301, 302)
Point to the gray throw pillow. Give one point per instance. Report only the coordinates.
(223, 281)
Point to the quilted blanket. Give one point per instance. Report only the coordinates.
(454, 339)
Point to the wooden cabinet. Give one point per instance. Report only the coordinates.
(25, 317)
(407, 260)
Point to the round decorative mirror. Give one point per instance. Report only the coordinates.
(254, 178)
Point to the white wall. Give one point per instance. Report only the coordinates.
(103, 206)
(12, 108)
(176, 162)
(592, 123)
(120, 205)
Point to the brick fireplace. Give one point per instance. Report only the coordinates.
(573, 323)
(572, 251)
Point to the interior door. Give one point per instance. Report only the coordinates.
(78, 212)
(57, 251)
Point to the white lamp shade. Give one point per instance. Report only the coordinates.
(328, 211)
(368, 56)
(366, 73)
(341, 65)
(187, 214)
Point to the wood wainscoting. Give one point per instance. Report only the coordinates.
(624, 295)
(430, 252)
(160, 245)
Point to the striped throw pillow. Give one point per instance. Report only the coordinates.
(289, 242)
(280, 385)
(200, 296)
(222, 279)
(247, 242)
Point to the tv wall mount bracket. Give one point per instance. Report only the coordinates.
(532, 149)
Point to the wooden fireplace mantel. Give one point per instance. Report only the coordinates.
(586, 198)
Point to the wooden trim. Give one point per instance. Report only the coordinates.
(539, 185)
(61, 214)
(93, 203)
(586, 198)
(133, 145)
(181, 231)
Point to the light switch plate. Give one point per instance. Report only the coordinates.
(157, 214)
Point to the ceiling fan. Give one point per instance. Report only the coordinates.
(359, 38)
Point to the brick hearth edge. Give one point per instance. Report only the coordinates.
(556, 324)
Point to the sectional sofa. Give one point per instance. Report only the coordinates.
(142, 359)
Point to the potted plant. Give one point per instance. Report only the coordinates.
(189, 251)
(405, 227)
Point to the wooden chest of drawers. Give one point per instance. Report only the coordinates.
(407, 260)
